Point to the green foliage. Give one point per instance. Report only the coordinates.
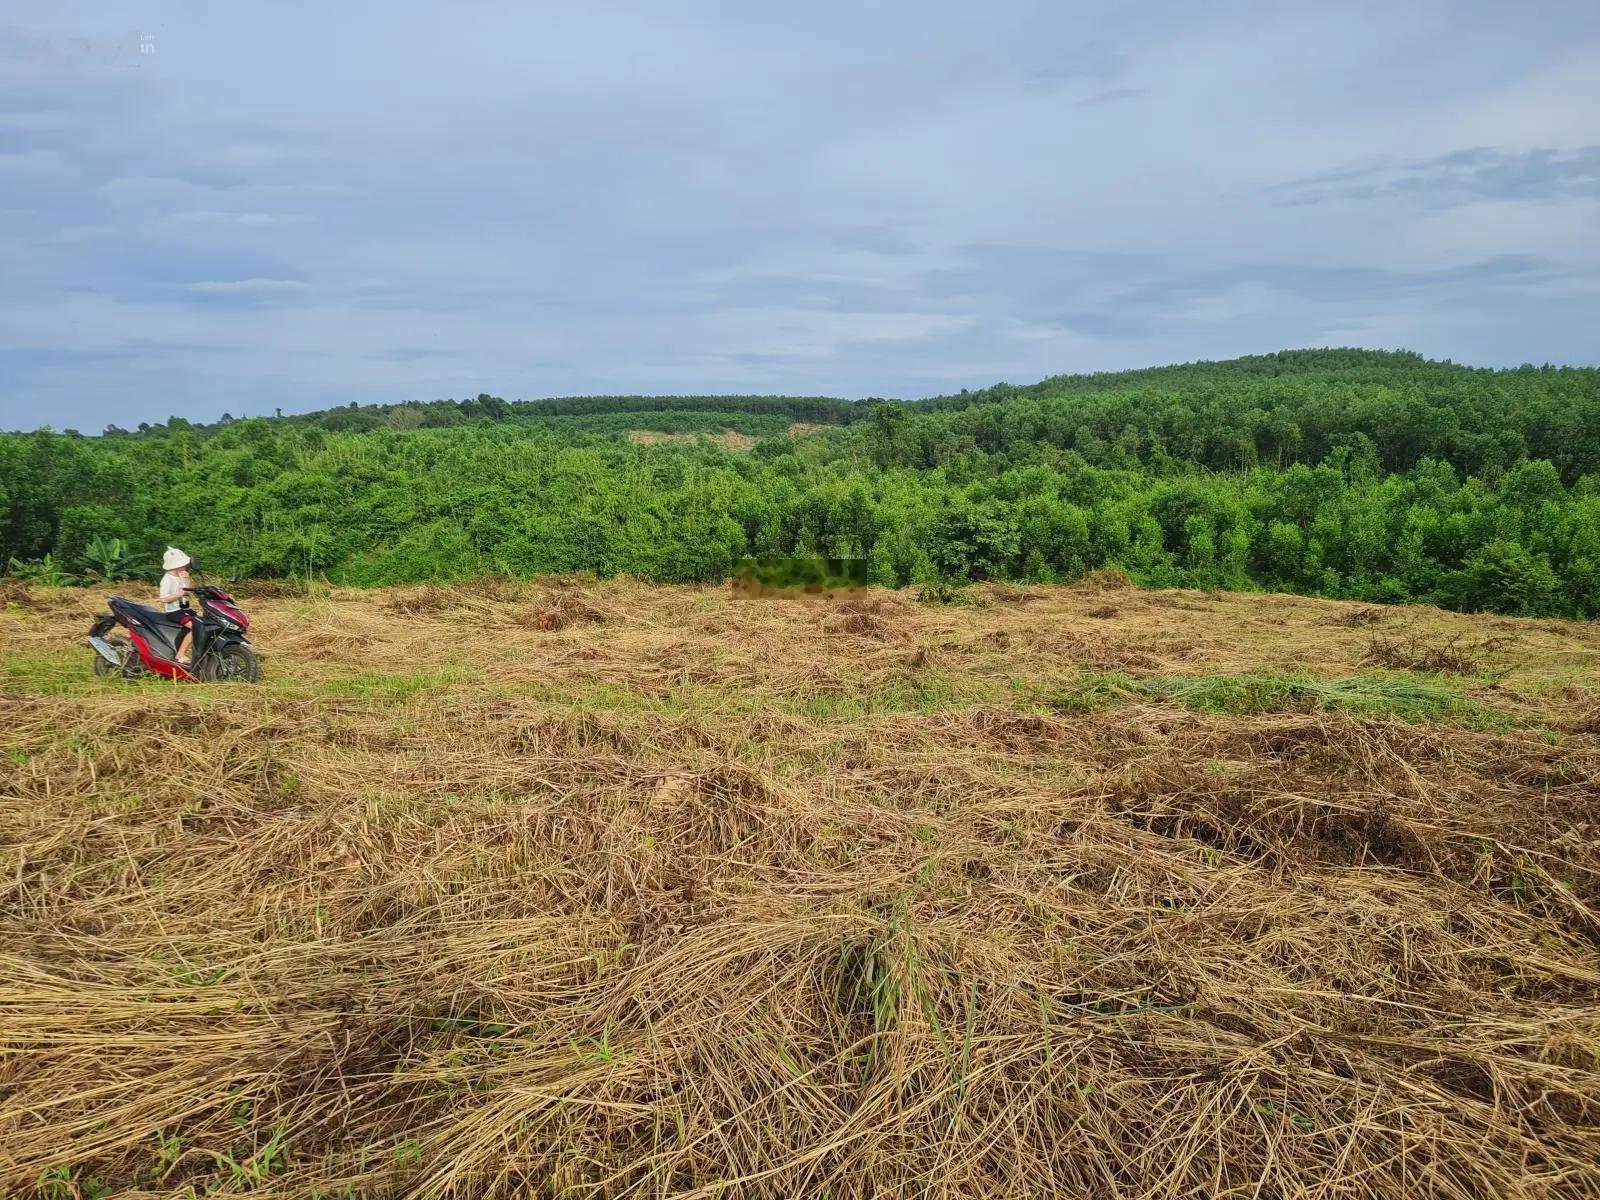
(673, 422)
(84, 526)
(804, 572)
(254, 1168)
(408, 1153)
(109, 559)
(1506, 577)
(45, 571)
(61, 1182)
(1343, 473)
(943, 592)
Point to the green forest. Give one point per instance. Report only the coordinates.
(1377, 476)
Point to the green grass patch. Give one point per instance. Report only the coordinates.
(1091, 693)
(1406, 698)
(929, 693)
(72, 674)
(69, 673)
(51, 674)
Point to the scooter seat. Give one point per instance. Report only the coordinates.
(155, 615)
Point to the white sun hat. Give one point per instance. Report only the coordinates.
(174, 558)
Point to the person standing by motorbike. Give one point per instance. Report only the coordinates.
(174, 585)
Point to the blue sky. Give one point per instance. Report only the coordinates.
(242, 207)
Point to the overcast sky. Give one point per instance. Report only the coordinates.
(237, 207)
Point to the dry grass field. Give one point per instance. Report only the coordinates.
(597, 889)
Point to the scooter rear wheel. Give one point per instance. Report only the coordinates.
(126, 669)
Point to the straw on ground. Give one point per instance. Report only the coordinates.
(607, 890)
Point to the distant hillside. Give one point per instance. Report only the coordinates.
(1345, 365)
(1295, 406)
(1341, 365)
(1343, 473)
(1291, 406)
(704, 412)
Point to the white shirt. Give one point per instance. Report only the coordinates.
(172, 586)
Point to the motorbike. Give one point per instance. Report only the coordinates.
(220, 650)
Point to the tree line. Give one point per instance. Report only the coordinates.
(1349, 474)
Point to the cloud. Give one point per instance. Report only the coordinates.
(1112, 95)
(246, 220)
(225, 287)
(1465, 176)
(406, 354)
(19, 45)
(307, 207)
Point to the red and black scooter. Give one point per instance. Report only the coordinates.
(220, 650)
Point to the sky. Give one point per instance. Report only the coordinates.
(236, 208)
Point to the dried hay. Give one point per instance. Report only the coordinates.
(429, 600)
(858, 624)
(1107, 579)
(497, 939)
(1587, 717)
(269, 589)
(567, 608)
(1357, 618)
(321, 642)
(1101, 653)
(1440, 655)
(871, 617)
(1004, 593)
(78, 602)
(497, 601)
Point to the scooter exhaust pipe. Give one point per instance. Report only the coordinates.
(104, 649)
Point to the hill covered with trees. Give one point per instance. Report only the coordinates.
(1346, 473)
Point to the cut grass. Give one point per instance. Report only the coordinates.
(1402, 697)
(71, 674)
(929, 692)
(699, 895)
(377, 685)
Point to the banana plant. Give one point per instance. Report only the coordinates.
(108, 559)
(44, 571)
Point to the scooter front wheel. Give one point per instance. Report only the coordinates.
(232, 663)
